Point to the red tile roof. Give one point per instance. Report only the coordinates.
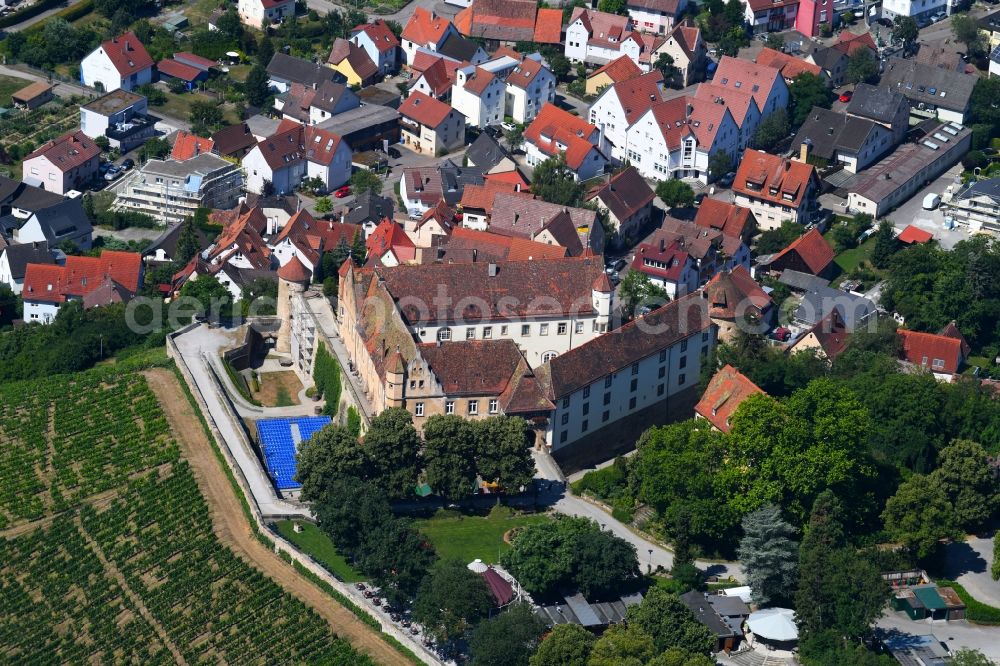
(390, 236)
(638, 95)
(425, 27)
(68, 152)
(548, 26)
(738, 74)
(524, 73)
(726, 391)
(194, 60)
(513, 177)
(812, 249)
(478, 81)
(178, 70)
(912, 234)
(738, 102)
(951, 331)
(937, 353)
(295, 271)
(847, 42)
(666, 262)
(480, 197)
(436, 77)
(380, 33)
(293, 141)
(832, 335)
(734, 294)
(603, 29)
(620, 69)
(789, 66)
(425, 110)
(730, 219)
(81, 276)
(187, 145)
(356, 57)
(678, 117)
(510, 21)
(473, 367)
(127, 54)
(553, 125)
(504, 248)
(790, 179)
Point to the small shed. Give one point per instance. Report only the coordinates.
(955, 607)
(33, 96)
(928, 595)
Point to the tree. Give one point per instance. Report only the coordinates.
(906, 30)
(828, 648)
(772, 130)
(155, 148)
(774, 41)
(665, 618)
(323, 206)
(622, 645)
(329, 454)
(966, 30)
(209, 293)
(555, 182)
(364, 180)
(205, 117)
(967, 479)
(665, 66)
(856, 591)
(449, 456)
(103, 143)
(188, 243)
(514, 136)
(451, 600)
(679, 657)
(995, 566)
(570, 552)
(982, 103)
(885, 245)
(823, 535)
(675, 193)
(612, 6)
(969, 657)
(392, 447)
(919, 515)
(265, 51)
(806, 91)
(229, 24)
(733, 40)
(719, 164)
(637, 289)
(503, 451)
(861, 66)
(769, 554)
(567, 645)
(774, 240)
(359, 250)
(256, 87)
(396, 557)
(509, 639)
(560, 66)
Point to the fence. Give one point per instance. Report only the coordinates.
(280, 544)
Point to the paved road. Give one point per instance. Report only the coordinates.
(27, 23)
(324, 7)
(969, 564)
(956, 635)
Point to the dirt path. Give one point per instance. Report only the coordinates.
(232, 529)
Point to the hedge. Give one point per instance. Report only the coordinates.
(975, 611)
(327, 377)
(70, 13)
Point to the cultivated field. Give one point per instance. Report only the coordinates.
(108, 553)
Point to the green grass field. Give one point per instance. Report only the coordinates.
(314, 542)
(470, 537)
(8, 86)
(848, 260)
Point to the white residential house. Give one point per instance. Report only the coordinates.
(425, 29)
(121, 116)
(596, 37)
(380, 43)
(15, 258)
(296, 152)
(479, 96)
(255, 13)
(530, 86)
(675, 139)
(430, 126)
(914, 8)
(656, 16)
(744, 110)
(621, 104)
(555, 131)
(122, 62)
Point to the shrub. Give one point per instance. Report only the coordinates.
(607, 483)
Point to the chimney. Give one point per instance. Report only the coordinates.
(804, 151)
(663, 244)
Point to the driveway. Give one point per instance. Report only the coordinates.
(968, 563)
(956, 635)
(912, 211)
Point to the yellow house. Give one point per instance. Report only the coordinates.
(353, 62)
(615, 71)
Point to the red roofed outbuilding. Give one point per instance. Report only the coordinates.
(809, 253)
(942, 355)
(726, 391)
(912, 235)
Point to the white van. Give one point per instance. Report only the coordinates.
(931, 201)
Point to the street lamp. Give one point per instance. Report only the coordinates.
(649, 564)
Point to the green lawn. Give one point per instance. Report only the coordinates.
(470, 537)
(312, 541)
(8, 86)
(848, 260)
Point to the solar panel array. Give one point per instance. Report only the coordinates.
(278, 441)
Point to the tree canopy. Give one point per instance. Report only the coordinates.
(675, 193)
(665, 618)
(451, 600)
(806, 91)
(508, 639)
(553, 181)
(769, 554)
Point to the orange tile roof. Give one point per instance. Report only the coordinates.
(187, 145)
(380, 33)
(295, 271)
(912, 234)
(480, 197)
(127, 54)
(847, 42)
(812, 248)
(638, 95)
(737, 101)
(508, 248)
(514, 177)
(938, 353)
(552, 125)
(620, 69)
(424, 109)
(548, 26)
(178, 70)
(738, 74)
(730, 219)
(390, 236)
(789, 66)
(425, 27)
(726, 391)
(766, 171)
(81, 276)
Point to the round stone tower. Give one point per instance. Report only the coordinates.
(293, 278)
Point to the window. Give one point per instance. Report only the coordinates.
(449, 407)
(607, 398)
(683, 363)
(494, 406)
(473, 407)
(561, 328)
(681, 378)
(444, 334)
(543, 329)
(578, 327)
(565, 403)
(562, 436)
(418, 409)
(662, 373)
(704, 336)
(586, 392)
(548, 356)
(470, 333)
(503, 330)
(631, 403)
(635, 368)
(939, 363)
(526, 330)
(605, 416)
(684, 346)
(659, 389)
(607, 381)
(565, 419)
(634, 385)
(584, 426)
(663, 355)
(487, 332)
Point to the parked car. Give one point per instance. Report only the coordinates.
(507, 127)
(846, 96)
(112, 173)
(342, 192)
(781, 334)
(931, 201)
(727, 180)
(619, 265)
(103, 168)
(395, 154)
(940, 16)
(128, 164)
